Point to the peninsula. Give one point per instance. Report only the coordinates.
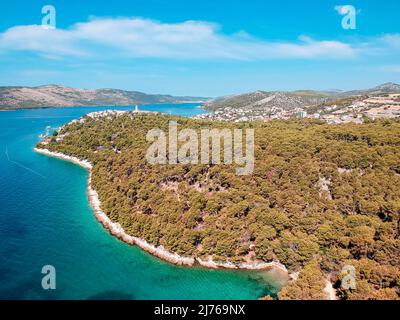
(321, 197)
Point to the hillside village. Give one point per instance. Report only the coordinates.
(332, 109)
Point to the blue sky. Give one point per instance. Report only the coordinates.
(204, 48)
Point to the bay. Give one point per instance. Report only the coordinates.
(45, 219)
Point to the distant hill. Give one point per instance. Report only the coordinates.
(292, 99)
(263, 99)
(59, 96)
(388, 87)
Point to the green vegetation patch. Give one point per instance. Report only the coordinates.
(320, 197)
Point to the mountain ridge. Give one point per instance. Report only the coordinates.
(291, 99)
(53, 95)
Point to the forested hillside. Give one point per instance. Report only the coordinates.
(321, 197)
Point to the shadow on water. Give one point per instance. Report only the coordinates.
(31, 289)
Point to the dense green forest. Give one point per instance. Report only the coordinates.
(320, 197)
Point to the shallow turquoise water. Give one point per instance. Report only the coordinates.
(45, 219)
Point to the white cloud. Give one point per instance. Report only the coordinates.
(37, 39)
(138, 37)
(392, 40)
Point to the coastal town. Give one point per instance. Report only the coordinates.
(356, 110)
(55, 135)
(346, 110)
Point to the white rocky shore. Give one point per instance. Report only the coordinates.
(116, 230)
(83, 163)
(329, 290)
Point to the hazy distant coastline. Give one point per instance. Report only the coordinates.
(50, 96)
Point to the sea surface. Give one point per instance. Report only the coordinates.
(45, 219)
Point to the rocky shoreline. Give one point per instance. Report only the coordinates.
(160, 252)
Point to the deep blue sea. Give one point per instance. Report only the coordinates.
(45, 219)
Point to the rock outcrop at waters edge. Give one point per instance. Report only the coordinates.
(160, 252)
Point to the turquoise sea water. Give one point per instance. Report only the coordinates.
(45, 219)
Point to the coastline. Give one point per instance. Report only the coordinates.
(116, 230)
(101, 106)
